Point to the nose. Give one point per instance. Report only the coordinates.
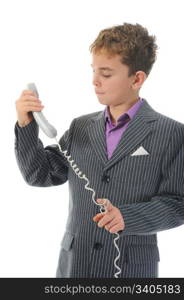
(96, 80)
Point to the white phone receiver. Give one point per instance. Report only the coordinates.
(42, 122)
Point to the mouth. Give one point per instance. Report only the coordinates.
(99, 93)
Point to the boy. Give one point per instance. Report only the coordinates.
(132, 155)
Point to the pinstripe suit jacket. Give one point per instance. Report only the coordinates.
(148, 189)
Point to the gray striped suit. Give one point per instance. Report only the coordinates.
(148, 189)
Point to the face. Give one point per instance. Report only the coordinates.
(110, 79)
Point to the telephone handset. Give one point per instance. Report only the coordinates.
(51, 132)
(47, 128)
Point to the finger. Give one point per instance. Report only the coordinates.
(105, 220)
(115, 228)
(108, 205)
(32, 108)
(111, 224)
(30, 98)
(32, 103)
(27, 92)
(35, 109)
(98, 217)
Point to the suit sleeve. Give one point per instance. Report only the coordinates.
(165, 210)
(41, 166)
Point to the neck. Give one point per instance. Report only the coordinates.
(116, 111)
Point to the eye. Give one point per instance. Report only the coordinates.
(107, 76)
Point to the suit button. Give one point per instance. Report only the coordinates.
(105, 178)
(98, 246)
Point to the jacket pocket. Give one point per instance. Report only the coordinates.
(142, 254)
(67, 241)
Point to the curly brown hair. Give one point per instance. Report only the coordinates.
(136, 47)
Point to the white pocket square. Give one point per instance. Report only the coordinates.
(140, 151)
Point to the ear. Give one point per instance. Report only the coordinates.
(138, 80)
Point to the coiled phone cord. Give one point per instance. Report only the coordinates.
(103, 207)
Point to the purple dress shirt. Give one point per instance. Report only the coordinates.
(115, 132)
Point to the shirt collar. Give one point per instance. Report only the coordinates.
(130, 113)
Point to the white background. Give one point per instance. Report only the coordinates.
(47, 41)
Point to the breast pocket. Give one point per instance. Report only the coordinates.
(136, 169)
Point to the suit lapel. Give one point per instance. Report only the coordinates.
(97, 137)
(137, 130)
